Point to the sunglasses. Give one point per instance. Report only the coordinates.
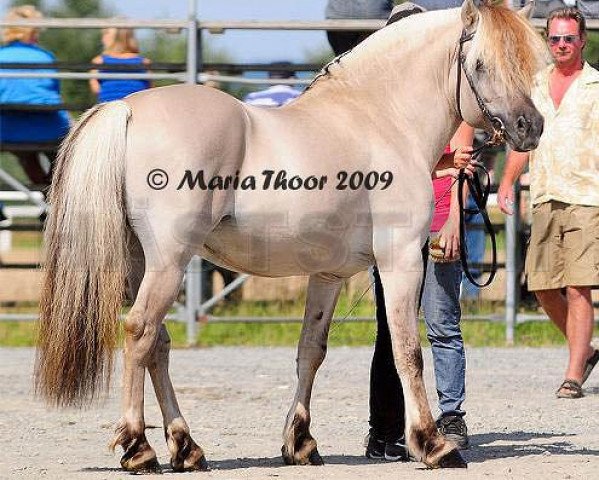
(568, 39)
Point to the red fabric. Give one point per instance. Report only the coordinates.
(442, 188)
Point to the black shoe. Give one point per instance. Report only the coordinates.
(4, 220)
(378, 449)
(453, 427)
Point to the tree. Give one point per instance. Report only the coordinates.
(36, 3)
(75, 45)
(167, 48)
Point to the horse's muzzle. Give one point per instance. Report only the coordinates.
(525, 132)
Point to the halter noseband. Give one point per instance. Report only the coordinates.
(498, 135)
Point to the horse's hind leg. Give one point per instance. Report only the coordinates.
(299, 447)
(156, 294)
(185, 453)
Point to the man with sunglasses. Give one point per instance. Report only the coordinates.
(562, 262)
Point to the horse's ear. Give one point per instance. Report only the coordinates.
(469, 13)
(526, 10)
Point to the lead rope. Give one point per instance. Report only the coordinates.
(480, 196)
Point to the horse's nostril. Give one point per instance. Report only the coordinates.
(522, 125)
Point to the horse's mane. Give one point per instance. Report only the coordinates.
(509, 45)
(504, 41)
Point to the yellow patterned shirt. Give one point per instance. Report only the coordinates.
(565, 165)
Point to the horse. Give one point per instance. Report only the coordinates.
(327, 186)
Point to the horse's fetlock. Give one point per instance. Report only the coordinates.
(178, 425)
(424, 440)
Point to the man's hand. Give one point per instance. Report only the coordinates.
(514, 165)
(505, 198)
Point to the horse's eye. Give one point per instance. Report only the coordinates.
(479, 66)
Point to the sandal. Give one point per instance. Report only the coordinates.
(569, 389)
(589, 365)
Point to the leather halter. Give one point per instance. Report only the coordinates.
(498, 135)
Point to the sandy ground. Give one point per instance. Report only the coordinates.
(235, 400)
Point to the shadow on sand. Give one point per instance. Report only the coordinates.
(482, 449)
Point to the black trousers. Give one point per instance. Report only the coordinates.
(342, 41)
(208, 271)
(31, 164)
(387, 407)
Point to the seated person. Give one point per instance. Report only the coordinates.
(275, 95)
(120, 48)
(35, 126)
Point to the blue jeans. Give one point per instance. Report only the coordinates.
(441, 306)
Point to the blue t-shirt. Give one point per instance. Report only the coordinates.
(23, 126)
(368, 9)
(275, 96)
(117, 89)
(438, 4)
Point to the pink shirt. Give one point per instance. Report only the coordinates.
(442, 188)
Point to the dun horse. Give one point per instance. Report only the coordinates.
(333, 183)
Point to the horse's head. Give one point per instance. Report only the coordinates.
(499, 54)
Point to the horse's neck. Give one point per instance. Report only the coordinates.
(399, 77)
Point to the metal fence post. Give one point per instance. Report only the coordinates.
(193, 276)
(193, 284)
(512, 267)
(192, 43)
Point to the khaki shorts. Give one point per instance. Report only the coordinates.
(564, 246)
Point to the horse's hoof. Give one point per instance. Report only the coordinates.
(191, 460)
(202, 464)
(315, 458)
(453, 460)
(149, 466)
(287, 458)
(198, 465)
(187, 455)
(140, 458)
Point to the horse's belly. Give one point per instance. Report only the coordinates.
(276, 251)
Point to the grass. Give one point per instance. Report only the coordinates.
(476, 334)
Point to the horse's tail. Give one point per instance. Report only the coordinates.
(84, 277)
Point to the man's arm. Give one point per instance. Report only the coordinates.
(514, 166)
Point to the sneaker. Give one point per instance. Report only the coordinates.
(378, 449)
(4, 220)
(453, 427)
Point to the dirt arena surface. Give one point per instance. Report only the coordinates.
(236, 399)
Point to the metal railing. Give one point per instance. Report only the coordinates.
(194, 309)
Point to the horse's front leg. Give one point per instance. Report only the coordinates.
(156, 294)
(299, 446)
(185, 453)
(401, 285)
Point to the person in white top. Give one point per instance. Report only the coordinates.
(562, 262)
(276, 95)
